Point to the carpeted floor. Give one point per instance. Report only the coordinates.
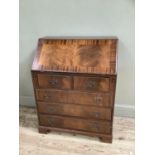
(33, 143)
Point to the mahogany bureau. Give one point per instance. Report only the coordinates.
(74, 82)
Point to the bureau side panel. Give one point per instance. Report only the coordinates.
(113, 90)
(35, 86)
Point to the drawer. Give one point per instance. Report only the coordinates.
(74, 97)
(90, 98)
(52, 95)
(75, 110)
(92, 83)
(75, 124)
(54, 81)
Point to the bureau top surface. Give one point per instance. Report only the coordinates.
(94, 56)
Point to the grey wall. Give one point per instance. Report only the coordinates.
(39, 18)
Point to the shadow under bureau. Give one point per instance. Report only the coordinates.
(74, 82)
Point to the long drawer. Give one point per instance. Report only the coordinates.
(74, 97)
(75, 124)
(75, 110)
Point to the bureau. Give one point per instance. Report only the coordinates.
(74, 82)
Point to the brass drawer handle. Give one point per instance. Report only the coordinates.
(96, 125)
(47, 96)
(53, 82)
(98, 99)
(91, 84)
(97, 114)
(50, 122)
(51, 109)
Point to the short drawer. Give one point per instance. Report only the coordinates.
(52, 95)
(75, 124)
(74, 97)
(54, 81)
(92, 83)
(75, 110)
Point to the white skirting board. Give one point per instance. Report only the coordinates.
(120, 109)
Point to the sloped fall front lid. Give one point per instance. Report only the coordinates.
(94, 56)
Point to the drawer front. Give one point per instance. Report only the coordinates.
(92, 83)
(74, 97)
(76, 124)
(52, 95)
(94, 99)
(54, 81)
(75, 110)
